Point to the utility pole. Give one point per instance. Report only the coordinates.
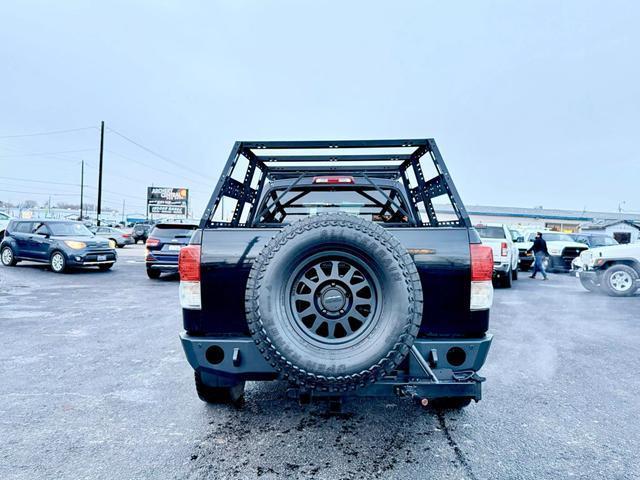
(123, 212)
(99, 208)
(81, 188)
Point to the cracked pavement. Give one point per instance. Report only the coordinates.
(94, 384)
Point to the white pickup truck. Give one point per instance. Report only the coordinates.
(562, 249)
(505, 252)
(614, 269)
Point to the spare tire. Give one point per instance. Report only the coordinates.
(334, 302)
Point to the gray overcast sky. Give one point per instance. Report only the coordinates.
(531, 103)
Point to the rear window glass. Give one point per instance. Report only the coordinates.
(490, 232)
(385, 205)
(173, 231)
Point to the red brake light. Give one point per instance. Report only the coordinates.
(189, 263)
(333, 180)
(504, 251)
(481, 262)
(152, 242)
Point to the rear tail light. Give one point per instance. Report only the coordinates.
(126, 235)
(152, 242)
(333, 180)
(481, 262)
(481, 275)
(504, 251)
(189, 268)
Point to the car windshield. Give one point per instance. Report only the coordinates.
(556, 237)
(490, 232)
(602, 241)
(69, 229)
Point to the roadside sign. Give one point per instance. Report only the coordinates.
(167, 200)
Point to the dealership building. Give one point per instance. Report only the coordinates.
(625, 227)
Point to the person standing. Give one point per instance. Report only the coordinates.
(540, 251)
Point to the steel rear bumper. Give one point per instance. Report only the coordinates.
(455, 370)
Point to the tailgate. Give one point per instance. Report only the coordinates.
(441, 255)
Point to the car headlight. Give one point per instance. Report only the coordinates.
(112, 244)
(74, 244)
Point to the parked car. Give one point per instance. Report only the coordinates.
(141, 231)
(613, 269)
(119, 237)
(4, 221)
(63, 244)
(505, 253)
(593, 240)
(562, 249)
(163, 247)
(337, 278)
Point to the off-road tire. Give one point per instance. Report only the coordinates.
(153, 274)
(232, 395)
(514, 273)
(612, 273)
(301, 356)
(589, 284)
(8, 258)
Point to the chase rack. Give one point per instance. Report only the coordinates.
(336, 159)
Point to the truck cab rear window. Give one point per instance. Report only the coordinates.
(490, 232)
(384, 205)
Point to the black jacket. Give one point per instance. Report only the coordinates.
(539, 245)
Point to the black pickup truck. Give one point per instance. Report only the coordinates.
(325, 263)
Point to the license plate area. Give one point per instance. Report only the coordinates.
(174, 247)
(102, 258)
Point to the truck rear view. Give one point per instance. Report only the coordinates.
(325, 264)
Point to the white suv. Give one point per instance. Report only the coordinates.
(614, 269)
(505, 252)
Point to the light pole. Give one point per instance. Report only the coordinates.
(620, 206)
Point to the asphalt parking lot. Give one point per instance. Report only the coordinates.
(94, 384)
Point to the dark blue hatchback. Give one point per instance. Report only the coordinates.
(62, 244)
(163, 247)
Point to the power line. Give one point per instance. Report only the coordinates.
(41, 193)
(156, 168)
(52, 132)
(40, 181)
(42, 154)
(48, 182)
(147, 149)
